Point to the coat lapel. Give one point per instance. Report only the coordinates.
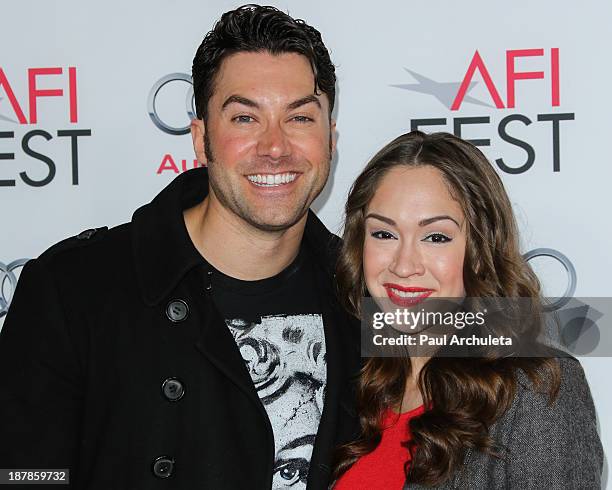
(219, 347)
(320, 465)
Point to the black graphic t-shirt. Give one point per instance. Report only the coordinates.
(278, 327)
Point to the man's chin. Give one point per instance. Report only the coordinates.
(271, 222)
(274, 225)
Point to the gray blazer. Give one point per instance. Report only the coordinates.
(548, 447)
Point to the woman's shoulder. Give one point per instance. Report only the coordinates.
(547, 405)
(541, 442)
(541, 416)
(551, 439)
(572, 394)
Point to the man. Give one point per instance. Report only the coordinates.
(200, 345)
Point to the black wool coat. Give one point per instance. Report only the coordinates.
(116, 364)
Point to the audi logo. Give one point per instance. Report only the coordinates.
(569, 269)
(156, 91)
(8, 283)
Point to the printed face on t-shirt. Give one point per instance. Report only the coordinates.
(285, 357)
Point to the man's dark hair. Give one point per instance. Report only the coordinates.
(254, 28)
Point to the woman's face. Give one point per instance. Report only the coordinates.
(414, 238)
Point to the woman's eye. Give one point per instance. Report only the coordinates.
(243, 119)
(437, 238)
(382, 235)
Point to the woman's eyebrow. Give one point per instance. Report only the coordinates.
(423, 222)
(381, 218)
(428, 221)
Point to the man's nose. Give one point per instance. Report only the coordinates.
(273, 142)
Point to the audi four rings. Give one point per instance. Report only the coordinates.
(8, 278)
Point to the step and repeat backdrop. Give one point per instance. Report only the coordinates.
(96, 98)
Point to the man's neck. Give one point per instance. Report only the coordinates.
(238, 249)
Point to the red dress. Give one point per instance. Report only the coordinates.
(383, 468)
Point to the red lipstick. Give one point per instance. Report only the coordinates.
(403, 301)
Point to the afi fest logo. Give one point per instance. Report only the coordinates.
(455, 94)
(25, 115)
(171, 92)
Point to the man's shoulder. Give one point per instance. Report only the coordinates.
(90, 247)
(324, 243)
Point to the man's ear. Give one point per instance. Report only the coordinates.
(198, 130)
(334, 135)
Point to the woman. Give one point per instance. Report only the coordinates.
(429, 218)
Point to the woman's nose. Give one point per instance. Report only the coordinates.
(407, 261)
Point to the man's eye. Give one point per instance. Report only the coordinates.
(437, 238)
(382, 235)
(302, 119)
(243, 119)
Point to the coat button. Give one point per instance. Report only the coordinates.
(177, 310)
(87, 234)
(163, 466)
(173, 389)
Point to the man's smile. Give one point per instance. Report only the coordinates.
(273, 180)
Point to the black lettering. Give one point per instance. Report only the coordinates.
(7, 156)
(514, 141)
(415, 124)
(38, 156)
(74, 134)
(460, 121)
(555, 118)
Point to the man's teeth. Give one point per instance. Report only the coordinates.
(272, 179)
(407, 294)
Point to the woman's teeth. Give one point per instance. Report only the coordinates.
(407, 294)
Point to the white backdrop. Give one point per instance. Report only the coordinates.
(79, 67)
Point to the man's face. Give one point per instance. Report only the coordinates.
(268, 139)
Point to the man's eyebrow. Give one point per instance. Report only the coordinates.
(303, 101)
(381, 218)
(238, 99)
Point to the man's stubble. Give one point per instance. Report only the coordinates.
(240, 207)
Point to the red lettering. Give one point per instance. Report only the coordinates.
(12, 99)
(512, 76)
(72, 91)
(554, 68)
(184, 164)
(474, 64)
(167, 164)
(35, 93)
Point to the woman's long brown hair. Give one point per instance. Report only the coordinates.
(465, 395)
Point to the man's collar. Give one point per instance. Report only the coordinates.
(163, 251)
